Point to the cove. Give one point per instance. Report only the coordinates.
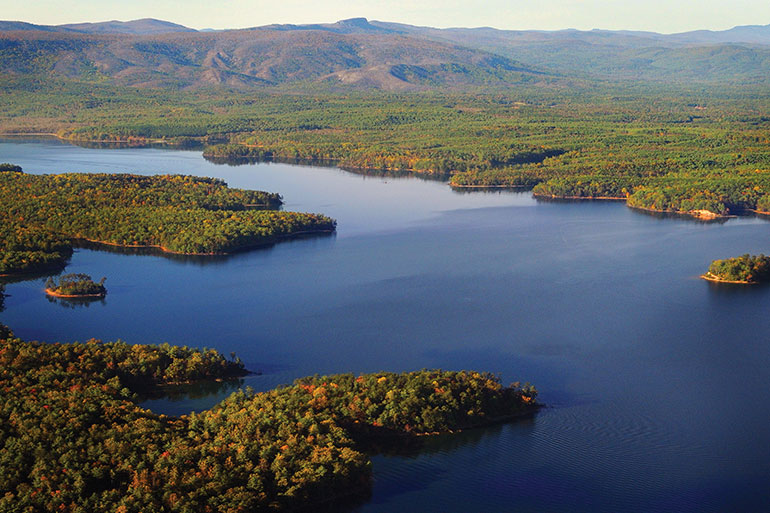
(655, 380)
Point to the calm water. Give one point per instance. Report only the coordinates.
(656, 381)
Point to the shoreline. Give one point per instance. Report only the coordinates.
(323, 162)
(165, 250)
(139, 140)
(273, 157)
(580, 198)
(27, 134)
(702, 214)
(236, 249)
(715, 279)
(53, 293)
(455, 186)
(530, 410)
(220, 379)
(696, 214)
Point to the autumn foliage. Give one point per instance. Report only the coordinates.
(41, 214)
(74, 440)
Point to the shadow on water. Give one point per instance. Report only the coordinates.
(414, 447)
(333, 164)
(247, 161)
(199, 260)
(414, 476)
(193, 391)
(736, 289)
(34, 275)
(577, 201)
(182, 144)
(489, 190)
(384, 173)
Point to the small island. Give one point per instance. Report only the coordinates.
(75, 285)
(745, 269)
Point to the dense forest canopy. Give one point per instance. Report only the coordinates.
(743, 269)
(73, 439)
(75, 284)
(668, 148)
(41, 214)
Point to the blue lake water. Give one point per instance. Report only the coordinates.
(656, 381)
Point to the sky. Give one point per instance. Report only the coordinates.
(664, 16)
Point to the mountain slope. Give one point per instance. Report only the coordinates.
(358, 53)
(701, 56)
(245, 58)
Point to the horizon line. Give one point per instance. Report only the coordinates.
(381, 21)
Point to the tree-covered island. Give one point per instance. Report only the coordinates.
(73, 438)
(42, 215)
(746, 269)
(75, 285)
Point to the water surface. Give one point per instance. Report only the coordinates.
(656, 381)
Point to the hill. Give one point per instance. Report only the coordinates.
(736, 55)
(143, 26)
(361, 54)
(247, 58)
(22, 25)
(752, 34)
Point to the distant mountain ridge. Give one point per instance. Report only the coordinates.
(738, 54)
(751, 34)
(359, 53)
(143, 26)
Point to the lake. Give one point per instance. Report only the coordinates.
(655, 380)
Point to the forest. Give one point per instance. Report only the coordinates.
(41, 216)
(743, 269)
(73, 438)
(674, 148)
(75, 285)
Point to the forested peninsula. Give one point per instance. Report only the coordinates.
(74, 439)
(42, 215)
(745, 269)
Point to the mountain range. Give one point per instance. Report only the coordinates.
(358, 53)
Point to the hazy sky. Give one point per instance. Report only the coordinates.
(658, 15)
